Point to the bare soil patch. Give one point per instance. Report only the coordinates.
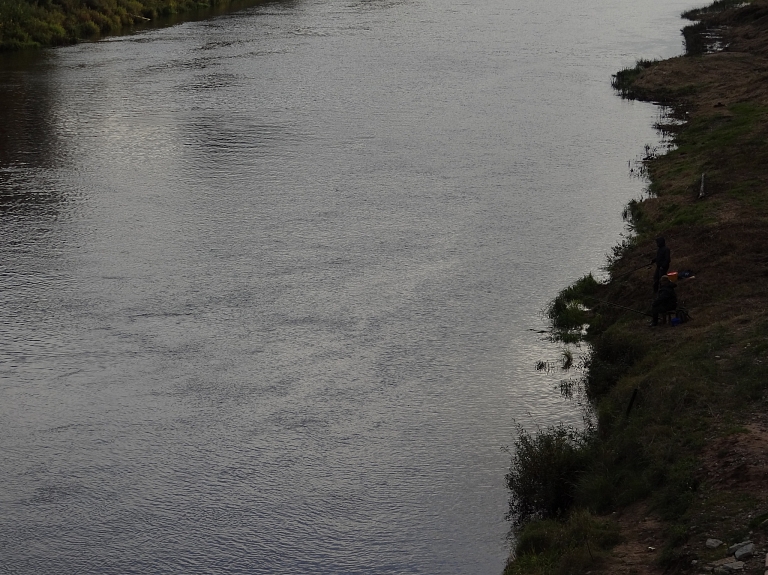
(733, 468)
(638, 553)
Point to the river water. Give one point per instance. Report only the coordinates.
(270, 282)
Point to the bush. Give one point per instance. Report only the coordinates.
(544, 471)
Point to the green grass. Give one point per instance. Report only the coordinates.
(730, 148)
(721, 131)
(689, 215)
(563, 547)
(28, 24)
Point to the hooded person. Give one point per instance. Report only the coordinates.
(666, 299)
(662, 260)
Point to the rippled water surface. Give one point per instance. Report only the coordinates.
(269, 281)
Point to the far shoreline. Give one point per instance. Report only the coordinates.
(27, 28)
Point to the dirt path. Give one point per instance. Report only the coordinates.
(733, 468)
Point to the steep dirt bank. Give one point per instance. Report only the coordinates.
(688, 461)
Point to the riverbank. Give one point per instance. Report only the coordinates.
(25, 25)
(676, 452)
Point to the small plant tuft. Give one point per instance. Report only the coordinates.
(567, 313)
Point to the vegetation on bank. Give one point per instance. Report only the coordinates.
(37, 23)
(668, 409)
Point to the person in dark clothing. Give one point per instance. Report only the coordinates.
(662, 260)
(666, 299)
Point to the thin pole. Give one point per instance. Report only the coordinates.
(618, 305)
(632, 271)
(631, 402)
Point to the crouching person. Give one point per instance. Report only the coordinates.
(666, 299)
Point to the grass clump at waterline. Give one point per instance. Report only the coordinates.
(622, 81)
(37, 23)
(673, 452)
(567, 314)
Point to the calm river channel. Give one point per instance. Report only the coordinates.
(270, 283)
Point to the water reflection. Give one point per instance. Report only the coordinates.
(29, 142)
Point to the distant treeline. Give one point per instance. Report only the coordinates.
(37, 23)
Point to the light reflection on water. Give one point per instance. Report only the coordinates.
(269, 281)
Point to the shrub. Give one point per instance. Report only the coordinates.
(544, 471)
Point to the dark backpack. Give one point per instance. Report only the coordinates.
(682, 314)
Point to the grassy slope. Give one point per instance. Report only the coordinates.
(692, 452)
(37, 23)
